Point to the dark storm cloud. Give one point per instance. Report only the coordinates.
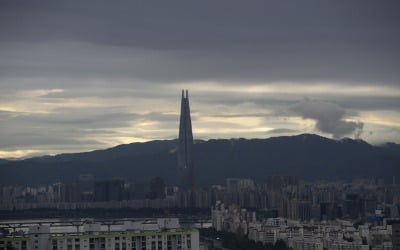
(341, 41)
(328, 117)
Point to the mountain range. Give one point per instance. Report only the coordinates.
(308, 156)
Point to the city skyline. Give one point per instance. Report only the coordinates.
(79, 76)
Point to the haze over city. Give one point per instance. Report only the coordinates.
(77, 76)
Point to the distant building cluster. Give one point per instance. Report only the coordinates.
(278, 196)
(159, 234)
(106, 194)
(305, 235)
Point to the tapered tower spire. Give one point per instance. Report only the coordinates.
(185, 145)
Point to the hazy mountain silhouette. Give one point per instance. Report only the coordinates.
(3, 161)
(308, 156)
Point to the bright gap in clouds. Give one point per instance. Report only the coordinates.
(296, 89)
(20, 153)
(59, 120)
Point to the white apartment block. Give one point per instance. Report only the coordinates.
(165, 234)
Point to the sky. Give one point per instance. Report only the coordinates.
(83, 75)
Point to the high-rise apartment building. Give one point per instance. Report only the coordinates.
(160, 234)
(395, 233)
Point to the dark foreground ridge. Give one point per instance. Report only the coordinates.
(308, 156)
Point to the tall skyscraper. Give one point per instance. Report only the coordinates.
(185, 146)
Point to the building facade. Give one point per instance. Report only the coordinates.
(164, 234)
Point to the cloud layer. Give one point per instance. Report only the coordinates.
(329, 118)
(260, 41)
(81, 75)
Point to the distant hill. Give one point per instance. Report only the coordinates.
(3, 161)
(308, 156)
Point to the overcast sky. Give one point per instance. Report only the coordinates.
(83, 75)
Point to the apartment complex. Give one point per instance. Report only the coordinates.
(161, 234)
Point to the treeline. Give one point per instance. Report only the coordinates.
(239, 242)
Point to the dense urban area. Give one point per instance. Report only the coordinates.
(357, 214)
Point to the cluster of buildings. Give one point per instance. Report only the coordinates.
(159, 234)
(308, 235)
(289, 197)
(283, 196)
(109, 193)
